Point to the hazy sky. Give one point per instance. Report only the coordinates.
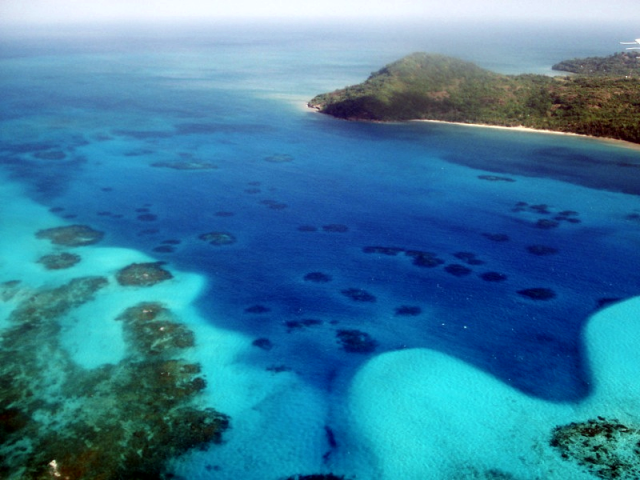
(73, 10)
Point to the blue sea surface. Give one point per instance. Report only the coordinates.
(351, 239)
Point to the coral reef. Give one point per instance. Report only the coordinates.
(300, 324)
(317, 277)
(538, 293)
(143, 274)
(71, 235)
(424, 259)
(493, 277)
(355, 341)
(263, 343)
(358, 295)
(457, 270)
(546, 224)
(605, 448)
(408, 311)
(218, 238)
(257, 309)
(124, 420)
(468, 257)
(59, 261)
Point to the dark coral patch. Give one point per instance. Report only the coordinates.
(358, 295)
(493, 277)
(538, 293)
(300, 324)
(605, 448)
(263, 343)
(546, 224)
(143, 274)
(335, 228)
(542, 208)
(257, 309)
(355, 341)
(71, 235)
(457, 270)
(408, 311)
(218, 238)
(317, 277)
(541, 250)
(424, 259)
(59, 261)
(144, 403)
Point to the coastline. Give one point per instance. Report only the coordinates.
(611, 141)
(520, 128)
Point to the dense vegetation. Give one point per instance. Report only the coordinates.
(435, 87)
(619, 64)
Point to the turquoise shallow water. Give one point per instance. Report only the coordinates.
(491, 247)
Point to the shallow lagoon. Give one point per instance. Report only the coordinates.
(329, 263)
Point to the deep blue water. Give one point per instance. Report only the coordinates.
(106, 105)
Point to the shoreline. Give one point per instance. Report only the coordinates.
(520, 128)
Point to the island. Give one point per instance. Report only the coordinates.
(601, 96)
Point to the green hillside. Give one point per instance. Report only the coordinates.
(436, 87)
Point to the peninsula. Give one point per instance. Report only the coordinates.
(600, 98)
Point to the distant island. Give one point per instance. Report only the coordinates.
(600, 98)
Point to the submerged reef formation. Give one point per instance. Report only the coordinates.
(71, 235)
(355, 341)
(358, 295)
(218, 238)
(537, 293)
(59, 261)
(123, 420)
(143, 274)
(605, 448)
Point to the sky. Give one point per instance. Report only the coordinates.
(56, 11)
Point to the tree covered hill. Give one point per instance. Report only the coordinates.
(436, 87)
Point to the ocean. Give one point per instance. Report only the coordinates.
(355, 300)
